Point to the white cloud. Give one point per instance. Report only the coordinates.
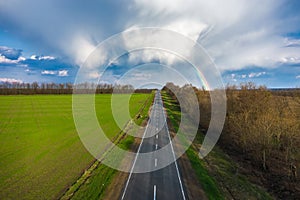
(63, 73)
(298, 77)
(252, 75)
(10, 80)
(46, 58)
(290, 60)
(48, 72)
(21, 58)
(235, 33)
(150, 55)
(35, 57)
(190, 28)
(156, 46)
(235, 77)
(292, 42)
(5, 60)
(80, 48)
(53, 72)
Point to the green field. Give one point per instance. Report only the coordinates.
(40, 151)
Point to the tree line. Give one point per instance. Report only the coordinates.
(17, 88)
(261, 125)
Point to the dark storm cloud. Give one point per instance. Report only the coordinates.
(56, 26)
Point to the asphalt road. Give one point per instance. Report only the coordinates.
(164, 183)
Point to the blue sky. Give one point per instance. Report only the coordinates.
(48, 41)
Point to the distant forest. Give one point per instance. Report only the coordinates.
(261, 131)
(7, 88)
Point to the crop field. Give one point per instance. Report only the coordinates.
(40, 151)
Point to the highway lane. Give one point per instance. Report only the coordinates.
(164, 183)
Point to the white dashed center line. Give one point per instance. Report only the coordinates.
(154, 193)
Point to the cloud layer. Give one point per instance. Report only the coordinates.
(237, 34)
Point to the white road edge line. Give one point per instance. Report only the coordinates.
(154, 192)
(126, 186)
(181, 187)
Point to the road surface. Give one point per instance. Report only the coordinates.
(164, 183)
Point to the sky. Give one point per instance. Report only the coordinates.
(48, 41)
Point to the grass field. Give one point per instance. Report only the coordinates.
(40, 151)
(95, 183)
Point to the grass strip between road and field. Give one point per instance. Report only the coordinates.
(93, 183)
(217, 173)
(208, 183)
